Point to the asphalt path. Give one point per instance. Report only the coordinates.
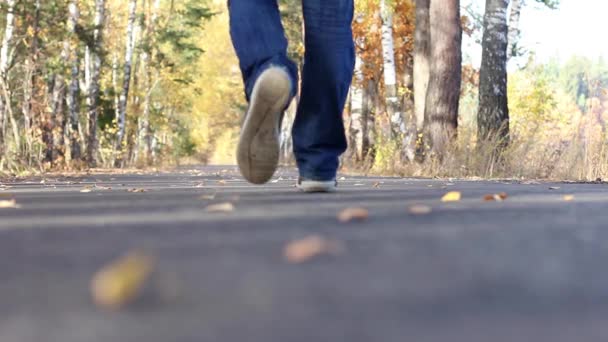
(530, 268)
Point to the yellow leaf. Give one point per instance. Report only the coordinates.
(453, 196)
(120, 282)
(569, 198)
(9, 204)
(220, 208)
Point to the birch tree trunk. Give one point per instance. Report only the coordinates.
(357, 122)
(124, 96)
(390, 74)
(493, 114)
(94, 86)
(73, 98)
(4, 64)
(443, 94)
(422, 58)
(514, 32)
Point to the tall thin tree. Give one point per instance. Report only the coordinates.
(493, 114)
(95, 52)
(124, 96)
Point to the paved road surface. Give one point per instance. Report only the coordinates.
(531, 268)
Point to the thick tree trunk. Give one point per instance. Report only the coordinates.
(124, 96)
(94, 87)
(4, 64)
(390, 74)
(73, 98)
(516, 6)
(493, 114)
(422, 58)
(443, 95)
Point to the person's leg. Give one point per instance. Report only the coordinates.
(270, 83)
(318, 132)
(259, 40)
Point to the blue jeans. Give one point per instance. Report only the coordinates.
(259, 41)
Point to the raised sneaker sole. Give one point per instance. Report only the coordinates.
(259, 146)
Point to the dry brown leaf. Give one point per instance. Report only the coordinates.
(453, 196)
(9, 204)
(120, 282)
(569, 198)
(496, 197)
(136, 190)
(353, 214)
(303, 250)
(220, 208)
(420, 209)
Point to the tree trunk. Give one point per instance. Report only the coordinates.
(124, 96)
(31, 71)
(422, 58)
(390, 74)
(4, 64)
(493, 114)
(357, 119)
(443, 94)
(73, 98)
(94, 87)
(516, 6)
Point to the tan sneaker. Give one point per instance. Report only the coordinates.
(313, 186)
(259, 146)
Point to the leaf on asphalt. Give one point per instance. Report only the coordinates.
(452, 196)
(353, 214)
(496, 197)
(300, 251)
(569, 198)
(9, 204)
(376, 185)
(420, 209)
(554, 188)
(137, 190)
(208, 196)
(120, 282)
(220, 208)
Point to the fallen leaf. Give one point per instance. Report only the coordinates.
(376, 185)
(496, 197)
(353, 214)
(120, 282)
(569, 198)
(554, 188)
(220, 208)
(453, 196)
(9, 204)
(420, 209)
(303, 250)
(135, 190)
